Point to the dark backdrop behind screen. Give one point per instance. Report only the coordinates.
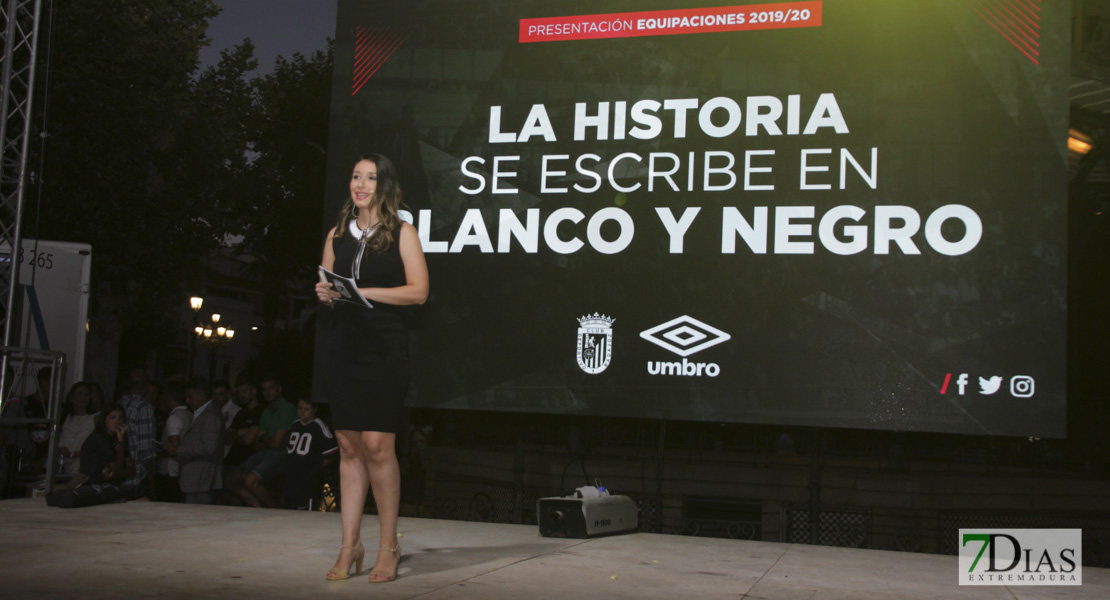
(961, 110)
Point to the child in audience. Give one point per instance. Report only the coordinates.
(311, 446)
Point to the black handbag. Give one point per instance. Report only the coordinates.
(86, 495)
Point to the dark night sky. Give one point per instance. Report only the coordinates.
(277, 27)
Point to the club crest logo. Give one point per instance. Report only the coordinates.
(595, 342)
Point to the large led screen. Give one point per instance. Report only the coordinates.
(844, 213)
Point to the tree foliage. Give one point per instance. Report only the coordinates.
(157, 162)
(290, 173)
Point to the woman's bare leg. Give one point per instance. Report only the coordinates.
(385, 481)
(353, 486)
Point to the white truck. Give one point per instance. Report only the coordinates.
(52, 305)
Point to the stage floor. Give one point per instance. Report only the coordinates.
(147, 549)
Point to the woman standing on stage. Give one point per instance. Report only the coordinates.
(362, 366)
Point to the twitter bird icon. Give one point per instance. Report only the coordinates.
(989, 386)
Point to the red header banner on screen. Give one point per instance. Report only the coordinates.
(786, 15)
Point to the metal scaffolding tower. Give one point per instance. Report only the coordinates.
(19, 20)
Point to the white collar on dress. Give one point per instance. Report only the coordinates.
(353, 227)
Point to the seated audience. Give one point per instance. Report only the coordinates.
(249, 481)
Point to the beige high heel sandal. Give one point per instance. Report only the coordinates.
(386, 578)
(360, 555)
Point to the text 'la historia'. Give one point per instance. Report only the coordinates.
(844, 230)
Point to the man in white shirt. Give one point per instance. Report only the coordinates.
(179, 418)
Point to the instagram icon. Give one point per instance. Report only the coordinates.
(1021, 386)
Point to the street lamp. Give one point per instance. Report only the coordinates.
(213, 336)
(196, 302)
(213, 333)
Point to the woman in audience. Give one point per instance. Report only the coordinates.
(78, 421)
(104, 455)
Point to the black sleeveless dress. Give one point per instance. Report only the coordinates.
(362, 362)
